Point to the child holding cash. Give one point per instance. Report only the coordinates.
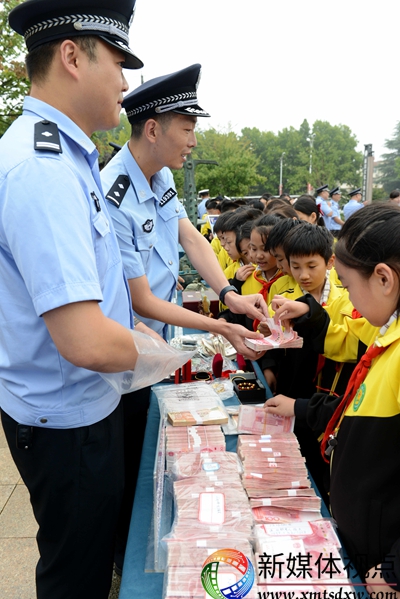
(309, 252)
(298, 372)
(362, 435)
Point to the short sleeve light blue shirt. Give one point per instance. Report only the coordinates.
(350, 208)
(325, 210)
(56, 248)
(334, 226)
(201, 208)
(147, 226)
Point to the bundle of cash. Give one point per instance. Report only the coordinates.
(201, 511)
(191, 404)
(256, 421)
(276, 479)
(221, 465)
(279, 338)
(193, 439)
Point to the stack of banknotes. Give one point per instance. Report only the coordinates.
(278, 338)
(192, 439)
(255, 420)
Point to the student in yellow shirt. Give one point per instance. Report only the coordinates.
(276, 238)
(361, 428)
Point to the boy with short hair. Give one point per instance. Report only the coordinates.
(309, 252)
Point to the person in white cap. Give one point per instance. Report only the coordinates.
(204, 195)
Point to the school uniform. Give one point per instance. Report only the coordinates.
(224, 259)
(216, 246)
(365, 490)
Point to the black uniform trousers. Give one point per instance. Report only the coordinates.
(75, 480)
(135, 408)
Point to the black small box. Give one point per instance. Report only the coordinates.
(253, 395)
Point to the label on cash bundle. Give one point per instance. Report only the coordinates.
(212, 508)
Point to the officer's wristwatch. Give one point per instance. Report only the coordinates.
(224, 291)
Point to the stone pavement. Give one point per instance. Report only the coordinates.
(18, 550)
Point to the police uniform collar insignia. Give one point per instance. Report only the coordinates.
(168, 195)
(117, 192)
(148, 225)
(47, 137)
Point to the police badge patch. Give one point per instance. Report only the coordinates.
(148, 225)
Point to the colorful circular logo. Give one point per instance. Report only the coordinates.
(231, 560)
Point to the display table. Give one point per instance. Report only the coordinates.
(135, 581)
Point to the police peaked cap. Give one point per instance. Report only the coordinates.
(176, 92)
(354, 192)
(43, 21)
(322, 188)
(334, 191)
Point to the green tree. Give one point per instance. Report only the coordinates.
(119, 135)
(390, 167)
(264, 144)
(13, 79)
(334, 157)
(236, 172)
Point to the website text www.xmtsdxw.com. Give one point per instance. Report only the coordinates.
(291, 577)
(341, 593)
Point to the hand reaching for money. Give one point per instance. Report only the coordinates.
(281, 405)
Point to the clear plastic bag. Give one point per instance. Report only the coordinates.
(156, 360)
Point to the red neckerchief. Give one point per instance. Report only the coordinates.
(356, 379)
(264, 290)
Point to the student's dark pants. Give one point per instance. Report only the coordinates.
(135, 406)
(75, 480)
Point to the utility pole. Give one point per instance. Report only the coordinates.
(368, 172)
(189, 186)
(280, 174)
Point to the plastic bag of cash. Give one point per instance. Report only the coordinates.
(156, 360)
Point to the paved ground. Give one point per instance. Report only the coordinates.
(18, 551)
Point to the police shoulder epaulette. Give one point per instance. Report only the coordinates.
(47, 137)
(117, 192)
(168, 195)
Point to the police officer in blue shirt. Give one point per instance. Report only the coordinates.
(353, 204)
(150, 222)
(322, 200)
(322, 194)
(148, 218)
(64, 302)
(204, 195)
(336, 222)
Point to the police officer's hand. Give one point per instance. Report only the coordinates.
(143, 328)
(253, 305)
(235, 334)
(179, 285)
